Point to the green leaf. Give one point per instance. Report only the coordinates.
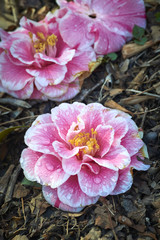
(142, 41)
(112, 56)
(138, 32)
(26, 182)
(157, 15)
(4, 133)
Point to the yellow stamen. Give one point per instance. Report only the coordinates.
(39, 46)
(84, 139)
(51, 40)
(41, 35)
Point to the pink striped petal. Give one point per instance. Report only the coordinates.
(71, 194)
(49, 75)
(22, 50)
(101, 184)
(24, 93)
(63, 150)
(61, 116)
(79, 64)
(73, 89)
(77, 27)
(120, 127)
(48, 171)
(13, 77)
(53, 91)
(124, 182)
(42, 119)
(28, 161)
(132, 141)
(51, 197)
(71, 165)
(104, 137)
(33, 26)
(40, 138)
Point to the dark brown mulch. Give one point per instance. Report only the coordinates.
(130, 83)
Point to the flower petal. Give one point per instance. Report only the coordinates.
(104, 137)
(22, 50)
(40, 138)
(71, 194)
(13, 77)
(48, 75)
(101, 184)
(28, 161)
(71, 165)
(51, 197)
(61, 116)
(132, 141)
(124, 182)
(48, 171)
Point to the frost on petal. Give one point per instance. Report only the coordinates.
(41, 137)
(53, 91)
(13, 77)
(71, 194)
(71, 165)
(48, 171)
(101, 184)
(28, 161)
(64, 150)
(51, 197)
(124, 182)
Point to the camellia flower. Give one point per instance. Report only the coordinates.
(106, 24)
(81, 152)
(36, 63)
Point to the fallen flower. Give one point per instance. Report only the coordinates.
(105, 24)
(36, 63)
(81, 152)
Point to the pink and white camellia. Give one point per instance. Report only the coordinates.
(81, 152)
(36, 63)
(107, 24)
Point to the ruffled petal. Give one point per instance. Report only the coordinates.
(124, 182)
(61, 116)
(40, 138)
(101, 184)
(104, 137)
(13, 77)
(51, 197)
(48, 171)
(49, 75)
(28, 161)
(71, 194)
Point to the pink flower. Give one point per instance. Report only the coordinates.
(81, 152)
(36, 63)
(106, 24)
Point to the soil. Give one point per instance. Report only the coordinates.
(129, 83)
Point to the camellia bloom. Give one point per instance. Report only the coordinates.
(81, 152)
(36, 63)
(106, 24)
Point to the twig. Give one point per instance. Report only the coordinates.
(145, 93)
(11, 184)
(85, 92)
(19, 119)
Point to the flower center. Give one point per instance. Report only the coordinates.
(42, 42)
(88, 140)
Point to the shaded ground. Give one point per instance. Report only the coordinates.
(131, 83)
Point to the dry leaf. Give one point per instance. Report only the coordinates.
(20, 191)
(135, 99)
(155, 33)
(114, 105)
